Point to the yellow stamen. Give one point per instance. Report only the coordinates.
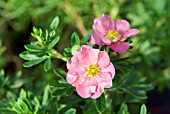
(112, 34)
(93, 70)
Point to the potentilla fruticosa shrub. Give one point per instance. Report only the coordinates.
(98, 78)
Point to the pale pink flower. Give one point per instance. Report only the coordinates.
(112, 33)
(90, 71)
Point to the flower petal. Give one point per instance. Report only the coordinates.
(103, 25)
(96, 95)
(109, 69)
(83, 91)
(96, 39)
(122, 26)
(120, 47)
(103, 59)
(132, 32)
(108, 22)
(106, 41)
(76, 79)
(98, 26)
(88, 55)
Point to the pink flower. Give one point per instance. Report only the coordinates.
(90, 71)
(112, 33)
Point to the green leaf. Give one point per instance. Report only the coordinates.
(69, 90)
(53, 42)
(26, 56)
(57, 84)
(23, 105)
(138, 94)
(18, 83)
(71, 111)
(46, 95)
(123, 109)
(143, 109)
(35, 48)
(74, 48)
(87, 38)
(61, 73)
(130, 80)
(101, 103)
(22, 94)
(54, 23)
(47, 65)
(58, 92)
(75, 39)
(141, 87)
(34, 62)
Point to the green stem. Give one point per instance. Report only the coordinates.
(55, 54)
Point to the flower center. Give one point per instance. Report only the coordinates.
(93, 70)
(112, 34)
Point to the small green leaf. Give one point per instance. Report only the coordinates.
(57, 84)
(53, 42)
(46, 95)
(74, 48)
(58, 92)
(101, 103)
(26, 56)
(123, 109)
(143, 109)
(24, 106)
(47, 65)
(17, 84)
(61, 73)
(34, 62)
(87, 38)
(75, 39)
(137, 94)
(71, 111)
(51, 34)
(130, 80)
(35, 48)
(69, 91)
(22, 94)
(141, 87)
(54, 23)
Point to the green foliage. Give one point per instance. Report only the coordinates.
(143, 109)
(42, 49)
(145, 67)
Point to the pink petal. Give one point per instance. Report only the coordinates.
(101, 87)
(104, 77)
(97, 39)
(103, 59)
(109, 69)
(106, 41)
(75, 66)
(120, 47)
(132, 32)
(76, 79)
(98, 27)
(103, 25)
(88, 88)
(71, 78)
(122, 26)
(88, 55)
(83, 91)
(96, 95)
(108, 22)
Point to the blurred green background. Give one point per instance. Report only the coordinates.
(150, 54)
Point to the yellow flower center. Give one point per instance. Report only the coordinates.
(93, 70)
(112, 34)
